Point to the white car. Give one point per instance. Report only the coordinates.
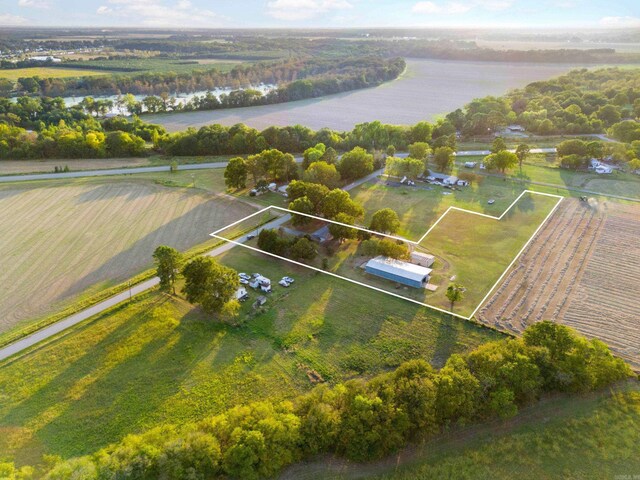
(265, 288)
(491, 202)
(244, 281)
(283, 283)
(244, 276)
(288, 279)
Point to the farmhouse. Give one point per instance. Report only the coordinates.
(422, 259)
(444, 178)
(600, 167)
(398, 271)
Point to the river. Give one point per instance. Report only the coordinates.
(428, 88)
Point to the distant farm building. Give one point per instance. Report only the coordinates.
(422, 259)
(398, 271)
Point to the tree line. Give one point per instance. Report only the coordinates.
(296, 79)
(361, 420)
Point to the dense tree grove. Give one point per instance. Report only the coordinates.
(583, 101)
(322, 201)
(361, 419)
(296, 78)
(301, 248)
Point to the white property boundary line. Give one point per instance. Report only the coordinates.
(559, 197)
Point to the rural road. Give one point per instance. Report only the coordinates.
(62, 325)
(193, 166)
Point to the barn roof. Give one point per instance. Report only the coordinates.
(398, 267)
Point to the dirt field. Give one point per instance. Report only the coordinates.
(10, 167)
(582, 269)
(48, 72)
(60, 241)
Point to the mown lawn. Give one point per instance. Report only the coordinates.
(576, 437)
(419, 207)
(158, 360)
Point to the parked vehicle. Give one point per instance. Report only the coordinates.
(288, 279)
(284, 283)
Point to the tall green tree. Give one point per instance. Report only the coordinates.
(210, 284)
(342, 232)
(168, 262)
(355, 164)
(419, 150)
(322, 173)
(443, 158)
(501, 161)
(235, 174)
(522, 152)
(455, 293)
(498, 145)
(302, 205)
(385, 221)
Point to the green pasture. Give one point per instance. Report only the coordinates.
(159, 360)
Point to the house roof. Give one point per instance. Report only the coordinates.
(399, 268)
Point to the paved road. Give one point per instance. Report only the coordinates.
(76, 318)
(193, 166)
(482, 153)
(112, 171)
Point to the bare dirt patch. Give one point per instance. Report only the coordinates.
(61, 241)
(582, 269)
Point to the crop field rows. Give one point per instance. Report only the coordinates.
(538, 285)
(580, 269)
(606, 303)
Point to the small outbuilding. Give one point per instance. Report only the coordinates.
(422, 259)
(398, 271)
(241, 294)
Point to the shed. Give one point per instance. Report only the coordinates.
(241, 294)
(423, 259)
(398, 271)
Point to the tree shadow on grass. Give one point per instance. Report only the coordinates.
(178, 233)
(122, 399)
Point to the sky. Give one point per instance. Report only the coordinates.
(321, 13)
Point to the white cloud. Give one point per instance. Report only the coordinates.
(304, 9)
(7, 19)
(34, 3)
(450, 8)
(620, 22)
(454, 8)
(154, 13)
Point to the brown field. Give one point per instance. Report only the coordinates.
(60, 241)
(582, 269)
(48, 72)
(11, 167)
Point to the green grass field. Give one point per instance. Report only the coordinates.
(590, 437)
(48, 72)
(419, 208)
(155, 65)
(159, 360)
